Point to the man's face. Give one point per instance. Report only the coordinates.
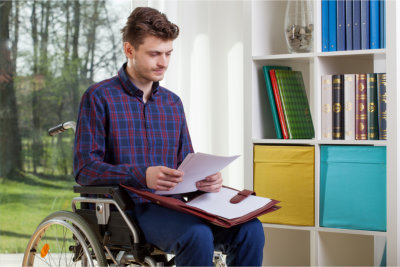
(150, 60)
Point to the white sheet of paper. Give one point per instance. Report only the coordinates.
(219, 203)
(196, 167)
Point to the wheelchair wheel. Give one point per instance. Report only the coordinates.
(64, 239)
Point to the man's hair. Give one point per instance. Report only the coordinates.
(144, 21)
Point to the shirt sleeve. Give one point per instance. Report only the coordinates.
(185, 143)
(90, 150)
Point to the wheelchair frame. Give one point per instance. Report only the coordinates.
(102, 236)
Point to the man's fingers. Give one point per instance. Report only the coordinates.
(165, 185)
(171, 172)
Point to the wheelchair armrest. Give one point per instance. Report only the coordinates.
(117, 193)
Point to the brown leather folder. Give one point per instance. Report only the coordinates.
(182, 206)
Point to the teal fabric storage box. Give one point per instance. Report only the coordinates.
(353, 187)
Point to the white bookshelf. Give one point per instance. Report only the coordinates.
(319, 246)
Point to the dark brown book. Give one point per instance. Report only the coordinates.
(338, 107)
(361, 107)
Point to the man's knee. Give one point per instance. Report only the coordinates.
(253, 233)
(197, 236)
(195, 246)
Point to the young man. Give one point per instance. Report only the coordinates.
(132, 131)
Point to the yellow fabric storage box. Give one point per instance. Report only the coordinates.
(286, 173)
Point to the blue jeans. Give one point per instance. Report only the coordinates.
(193, 240)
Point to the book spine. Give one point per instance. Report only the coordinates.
(349, 106)
(341, 25)
(356, 25)
(279, 104)
(361, 107)
(272, 103)
(325, 23)
(332, 25)
(374, 24)
(372, 111)
(382, 23)
(337, 107)
(365, 24)
(326, 102)
(349, 24)
(382, 112)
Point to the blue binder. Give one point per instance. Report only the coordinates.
(353, 187)
(382, 24)
(341, 25)
(374, 24)
(356, 25)
(349, 24)
(365, 24)
(332, 25)
(325, 23)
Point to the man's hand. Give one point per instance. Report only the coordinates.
(212, 183)
(162, 178)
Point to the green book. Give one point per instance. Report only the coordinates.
(271, 97)
(372, 111)
(295, 104)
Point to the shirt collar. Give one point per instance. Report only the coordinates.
(130, 87)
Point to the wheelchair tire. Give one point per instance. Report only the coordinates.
(64, 239)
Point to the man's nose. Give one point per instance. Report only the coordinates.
(163, 60)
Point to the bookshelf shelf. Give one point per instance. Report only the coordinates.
(325, 229)
(299, 57)
(266, 46)
(290, 227)
(320, 142)
(285, 142)
(352, 232)
(352, 53)
(354, 142)
(308, 56)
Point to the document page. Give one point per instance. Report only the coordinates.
(196, 167)
(219, 203)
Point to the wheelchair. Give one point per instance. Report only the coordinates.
(98, 231)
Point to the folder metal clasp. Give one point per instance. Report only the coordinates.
(241, 195)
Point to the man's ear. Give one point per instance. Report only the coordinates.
(129, 50)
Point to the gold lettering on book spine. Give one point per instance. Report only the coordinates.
(372, 107)
(337, 107)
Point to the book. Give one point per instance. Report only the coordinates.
(382, 23)
(349, 106)
(217, 208)
(361, 107)
(337, 107)
(295, 104)
(325, 23)
(356, 24)
(374, 24)
(341, 26)
(332, 25)
(278, 103)
(372, 111)
(364, 24)
(326, 104)
(382, 111)
(349, 24)
(271, 98)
